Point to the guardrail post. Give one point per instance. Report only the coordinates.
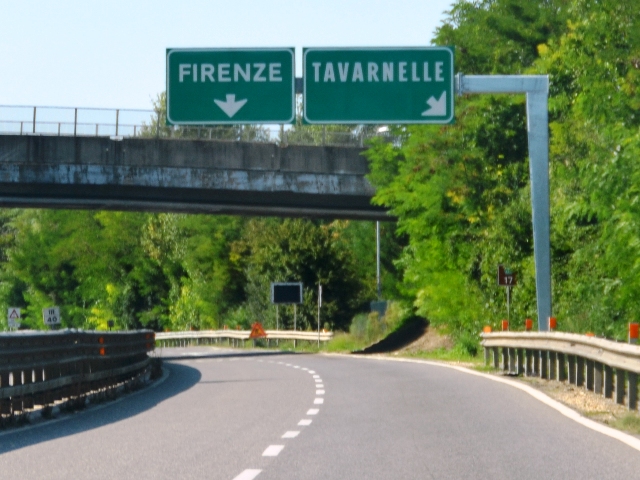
(496, 358)
(519, 363)
(512, 360)
(620, 381)
(632, 394)
(572, 369)
(505, 359)
(608, 381)
(579, 371)
(597, 381)
(528, 363)
(590, 369)
(486, 354)
(553, 360)
(544, 364)
(562, 367)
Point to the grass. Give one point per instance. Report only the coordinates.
(455, 354)
(345, 343)
(629, 423)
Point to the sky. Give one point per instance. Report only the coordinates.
(111, 54)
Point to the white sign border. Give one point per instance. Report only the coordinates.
(427, 121)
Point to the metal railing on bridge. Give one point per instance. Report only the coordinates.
(138, 123)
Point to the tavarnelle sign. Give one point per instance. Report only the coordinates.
(378, 85)
(340, 85)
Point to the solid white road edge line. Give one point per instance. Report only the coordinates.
(625, 438)
(248, 474)
(272, 450)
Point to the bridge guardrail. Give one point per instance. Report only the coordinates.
(208, 337)
(39, 368)
(127, 122)
(603, 366)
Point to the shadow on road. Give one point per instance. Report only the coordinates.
(181, 378)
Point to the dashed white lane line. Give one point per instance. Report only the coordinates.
(305, 422)
(296, 366)
(248, 474)
(304, 368)
(272, 450)
(316, 376)
(312, 411)
(319, 392)
(318, 401)
(319, 385)
(312, 371)
(290, 434)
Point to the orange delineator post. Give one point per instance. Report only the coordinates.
(552, 323)
(528, 324)
(505, 325)
(633, 332)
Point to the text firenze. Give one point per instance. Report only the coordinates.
(229, 72)
(377, 72)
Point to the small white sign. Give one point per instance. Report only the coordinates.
(13, 317)
(51, 315)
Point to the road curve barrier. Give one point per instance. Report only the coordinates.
(233, 337)
(602, 366)
(42, 368)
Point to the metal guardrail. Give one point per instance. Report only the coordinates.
(40, 368)
(603, 366)
(124, 122)
(210, 337)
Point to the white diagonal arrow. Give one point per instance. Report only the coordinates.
(230, 106)
(437, 108)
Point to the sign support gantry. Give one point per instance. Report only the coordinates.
(536, 87)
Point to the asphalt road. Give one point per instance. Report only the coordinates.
(231, 416)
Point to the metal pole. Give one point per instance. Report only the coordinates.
(319, 305)
(378, 285)
(277, 328)
(117, 118)
(536, 87)
(75, 122)
(295, 321)
(34, 119)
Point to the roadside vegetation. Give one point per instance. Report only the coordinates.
(461, 194)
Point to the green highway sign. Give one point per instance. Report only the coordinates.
(378, 85)
(230, 86)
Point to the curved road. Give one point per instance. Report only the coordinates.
(236, 416)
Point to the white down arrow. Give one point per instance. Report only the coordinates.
(230, 106)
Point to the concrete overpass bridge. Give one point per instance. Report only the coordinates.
(194, 176)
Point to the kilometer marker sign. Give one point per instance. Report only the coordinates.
(378, 85)
(230, 86)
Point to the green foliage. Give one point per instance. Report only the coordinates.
(461, 192)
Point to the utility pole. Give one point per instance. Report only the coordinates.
(378, 285)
